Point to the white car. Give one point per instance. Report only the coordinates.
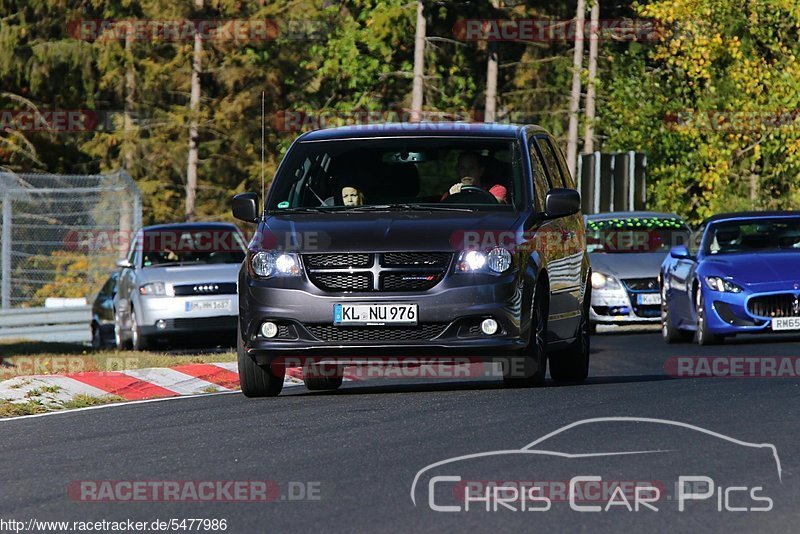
(179, 280)
(626, 250)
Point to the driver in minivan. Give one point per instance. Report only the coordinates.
(472, 172)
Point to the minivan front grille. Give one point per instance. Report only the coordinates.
(780, 305)
(343, 282)
(333, 261)
(416, 259)
(421, 332)
(374, 272)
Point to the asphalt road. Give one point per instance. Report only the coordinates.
(357, 451)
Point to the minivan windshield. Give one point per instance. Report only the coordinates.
(399, 173)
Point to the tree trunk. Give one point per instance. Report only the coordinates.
(419, 64)
(194, 106)
(489, 113)
(126, 209)
(575, 94)
(588, 135)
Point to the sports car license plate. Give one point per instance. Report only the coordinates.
(786, 323)
(374, 314)
(648, 298)
(209, 305)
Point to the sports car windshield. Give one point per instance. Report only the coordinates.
(754, 235)
(399, 173)
(635, 234)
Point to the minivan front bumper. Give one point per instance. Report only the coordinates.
(449, 317)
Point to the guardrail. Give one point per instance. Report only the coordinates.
(47, 324)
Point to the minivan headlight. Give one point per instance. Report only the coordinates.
(272, 264)
(497, 261)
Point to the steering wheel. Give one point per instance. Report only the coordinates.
(488, 198)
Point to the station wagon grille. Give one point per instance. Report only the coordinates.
(210, 288)
(781, 305)
(422, 332)
(641, 284)
(368, 272)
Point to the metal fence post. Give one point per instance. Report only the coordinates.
(5, 253)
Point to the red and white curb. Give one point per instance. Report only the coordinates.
(135, 384)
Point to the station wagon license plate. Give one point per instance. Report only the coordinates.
(786, 323)
(648, 298)
(374, 314)
(209, 305)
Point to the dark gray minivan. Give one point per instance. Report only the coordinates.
(442, 240)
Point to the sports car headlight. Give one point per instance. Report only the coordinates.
(604, 281)
(497, 261)
(154, 289)
(716, 283)
(273, 264)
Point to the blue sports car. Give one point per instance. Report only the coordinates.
(740, 274)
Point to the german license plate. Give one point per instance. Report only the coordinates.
(786, 323)
(648, 298)
(374, 314)
(209, 305)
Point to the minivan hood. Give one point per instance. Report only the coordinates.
(380, 231)
(628, 264)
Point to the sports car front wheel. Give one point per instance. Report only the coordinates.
(702, 335)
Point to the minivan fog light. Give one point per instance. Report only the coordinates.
(269, 329)
(489, 327)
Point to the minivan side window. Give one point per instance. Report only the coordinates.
(551, 162)
(540, 183)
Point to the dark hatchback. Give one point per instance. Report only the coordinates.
(434, 240)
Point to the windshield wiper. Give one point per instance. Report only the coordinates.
(408, 207)
(308, 209)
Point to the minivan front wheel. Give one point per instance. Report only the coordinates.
(529, 367)
(572, 365)
(255, 381)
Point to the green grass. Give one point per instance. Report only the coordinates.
(25, 358)
(34, 406)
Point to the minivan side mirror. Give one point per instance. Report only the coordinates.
(124, 263)
(245, 207)
(561, 202)
(680, 252)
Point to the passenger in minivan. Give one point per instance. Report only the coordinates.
(351, 196)
(472, 173)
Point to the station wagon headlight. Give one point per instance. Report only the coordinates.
(153, 289)
(474, 261)
(270, 264)
(717, 283)
(604, 281)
